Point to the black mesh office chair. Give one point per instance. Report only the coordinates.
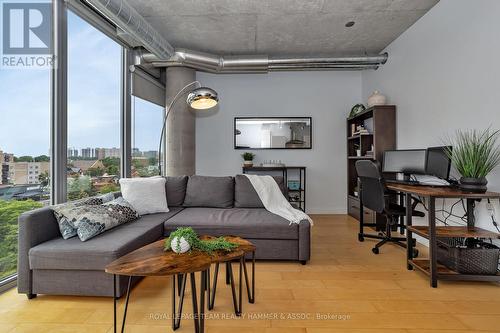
(373, 194)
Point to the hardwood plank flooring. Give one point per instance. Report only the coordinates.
(344, 288)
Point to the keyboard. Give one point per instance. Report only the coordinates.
(403, 182)
(415, 183)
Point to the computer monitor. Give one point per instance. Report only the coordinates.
(410, 161)
(438, 162)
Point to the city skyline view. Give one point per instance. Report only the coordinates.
(93, 114)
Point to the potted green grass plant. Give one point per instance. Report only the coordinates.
(248, 159)
(474, 155)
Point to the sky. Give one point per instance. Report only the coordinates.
(93, 100)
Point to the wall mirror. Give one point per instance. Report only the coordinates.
(272, 133)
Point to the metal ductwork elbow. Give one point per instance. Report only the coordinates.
(126, 18)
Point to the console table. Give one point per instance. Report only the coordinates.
(430, 266)
(296, 197)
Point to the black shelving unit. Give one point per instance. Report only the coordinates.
(296, 197)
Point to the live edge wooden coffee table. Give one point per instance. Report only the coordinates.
(152, 260)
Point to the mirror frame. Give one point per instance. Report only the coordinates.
(274, 117)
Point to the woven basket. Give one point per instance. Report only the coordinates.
(478, 260)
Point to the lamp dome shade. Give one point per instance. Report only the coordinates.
(202, 98)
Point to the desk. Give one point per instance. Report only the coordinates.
(431, 232)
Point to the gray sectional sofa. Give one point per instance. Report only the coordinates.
(49, 264)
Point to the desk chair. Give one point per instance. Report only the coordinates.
(373, 194)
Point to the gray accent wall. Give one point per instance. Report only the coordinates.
(325, 96)
(443, 75)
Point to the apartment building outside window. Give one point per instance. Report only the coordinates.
(93, 110)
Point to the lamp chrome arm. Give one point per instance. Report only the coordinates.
(168, 109)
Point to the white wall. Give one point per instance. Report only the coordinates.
(325, 96)
(443, 74)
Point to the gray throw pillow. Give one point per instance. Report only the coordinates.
(206, 191)
(94, 220)
(245, 195)
(66, 213)
(176, 190)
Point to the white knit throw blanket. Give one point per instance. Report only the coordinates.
(274, 201)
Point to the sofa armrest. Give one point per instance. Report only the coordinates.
(304, 241)
(35, 227)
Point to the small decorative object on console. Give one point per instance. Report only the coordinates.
(356, 109)
(179, 245)
(376, 99)
(294, 185)
(273, 163)
(248, 159)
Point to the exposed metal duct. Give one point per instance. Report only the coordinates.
(211, 63)
(132, 27)
(126, 18)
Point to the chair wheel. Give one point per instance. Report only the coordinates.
(361, 238)
(415, 253)
(375, 250)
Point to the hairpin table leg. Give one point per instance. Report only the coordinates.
(250, 293)
(177, 315)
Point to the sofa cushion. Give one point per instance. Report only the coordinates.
(176, 190)
(255, 223)
(146, 195)
(101, 250)
(95, 220)
(67, 212)
(206, 191)
(245, 195)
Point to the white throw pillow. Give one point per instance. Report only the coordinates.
(146, 195)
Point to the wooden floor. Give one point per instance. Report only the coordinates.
(344, 288)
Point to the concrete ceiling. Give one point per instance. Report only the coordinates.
(282, 27)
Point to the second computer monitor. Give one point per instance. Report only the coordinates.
(411, 161)
(438, 162)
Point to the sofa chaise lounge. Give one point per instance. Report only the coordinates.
(49, 264)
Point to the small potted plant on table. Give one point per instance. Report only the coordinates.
(475, 154)
(248, 159)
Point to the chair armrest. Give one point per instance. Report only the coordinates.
(35, 227)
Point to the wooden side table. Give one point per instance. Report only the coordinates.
(152, 260)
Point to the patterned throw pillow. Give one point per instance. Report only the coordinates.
(67, 212)
(94, 220)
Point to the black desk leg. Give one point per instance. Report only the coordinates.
(401, 218)
(432, 242)
(409, 240)
(470, 214)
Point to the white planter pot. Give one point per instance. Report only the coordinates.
(182, 244)
(248, 163)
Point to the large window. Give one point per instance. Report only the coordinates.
(94, 72)
(147, 124)
(24, 153)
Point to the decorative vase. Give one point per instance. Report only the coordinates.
(376, 99)
(473, 185)
(248, 163)
(180, 245)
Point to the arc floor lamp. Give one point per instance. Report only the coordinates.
(199, 98)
